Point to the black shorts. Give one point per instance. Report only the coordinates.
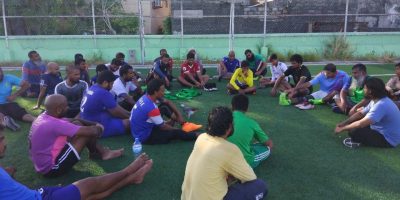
(190, 80)
(67, 158)
(13, 110)
(165, 110)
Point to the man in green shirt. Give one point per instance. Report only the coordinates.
(246, 131)
(256, 64)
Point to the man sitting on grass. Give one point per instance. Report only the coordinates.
(300, 74)
(277, 70)
(84, 75)
(330, 80)
(146, 119)
(242, 80)
(99, 187)
(191, 74)
(246, 131)
(227, 66)
(256, 64)
(48, 82)
(100, 106)
(215, 162)
(99, 68)
(393, 85)
(161, 70)
(55, 143)
(31, 72)
(73, 89)
(377, 124)
(124, 89)
(170, 63)
(10, 110)
(352, 93)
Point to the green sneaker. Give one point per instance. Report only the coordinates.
(283, 101)
(167, 92)
(316, 101)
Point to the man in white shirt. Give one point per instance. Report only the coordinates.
(123, 87)
(277, 69)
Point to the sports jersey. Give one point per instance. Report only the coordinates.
(278, 71)
(330, 84)
(50, 81)
(74, 94)
(31, 71)
(192, 69)
(120, 89)
(6, 86)
(297, 73)
(239, 79)
(255, 62)
(11, 189)
(231, 65)
(144, 116)
(96, 103)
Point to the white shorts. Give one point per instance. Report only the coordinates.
(321, 94)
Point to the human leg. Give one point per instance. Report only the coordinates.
(261, 153)
(95, 149)
(256, 189)
(205, 78)
(184, 82)
(368, 137)
(159, 136)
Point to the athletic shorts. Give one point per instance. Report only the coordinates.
(13, 110)
(321, 94)
(69, 192)
(113, 127)
(67, 158)
(190, 81)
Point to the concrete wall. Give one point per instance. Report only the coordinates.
(211, 47)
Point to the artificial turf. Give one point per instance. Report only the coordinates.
(308, 161)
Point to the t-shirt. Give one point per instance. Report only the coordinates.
(144, 116)
(85, 76)
(192, 69)
(50, 81)
(119, 89)
(6, 86)
(394, 83)
(170, 62)
(12, 190)
(330, 84)
(297, 73)
(355, 89)
(96, 103)
(231, 65)
(74, 94)
(32, 71)
(209, 164)
(161, 69)
(254, 63)
(239, 78)
(93, 80)
(278, 70)
(385, 117)
(47, 137)
(246, 129)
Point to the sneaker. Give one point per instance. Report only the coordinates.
(10, 123)
(299, 105)
(214, 89)
(283, 101)
(306, 107)
(349, 143)
(316, 101)
(190, 127)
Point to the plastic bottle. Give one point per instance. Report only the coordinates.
(137, 147)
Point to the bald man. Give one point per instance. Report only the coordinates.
(48, 82)
(227, 66)
(55, 143)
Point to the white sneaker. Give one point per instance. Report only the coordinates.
(306, 107)
(349, 143)
(299, 105)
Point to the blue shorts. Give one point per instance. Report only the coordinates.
(113, 127)
(69, 192)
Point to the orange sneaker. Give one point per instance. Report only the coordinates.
(189, 127)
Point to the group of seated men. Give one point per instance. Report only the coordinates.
(79, 110)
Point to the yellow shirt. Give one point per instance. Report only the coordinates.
(246, 79)
(208, 166)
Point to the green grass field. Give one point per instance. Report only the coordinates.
(307, 162)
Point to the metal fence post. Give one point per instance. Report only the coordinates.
(265, 21)
(232, 25)
(345, 18)
(181, 23)
(4, 23)
(141, 32)
(94, 26)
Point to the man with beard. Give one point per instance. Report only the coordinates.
(73, 89)
(55, 143)
(81, 63)
(161, 70)
(393, 85)
(100, 106)
(352, 93)
(215, 162)
(377, 124)
(191, 75)
(31, 72)
(257, 64)
(124, 89)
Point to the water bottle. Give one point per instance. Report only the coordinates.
(137, 147)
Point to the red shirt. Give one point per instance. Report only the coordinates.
(185, 68)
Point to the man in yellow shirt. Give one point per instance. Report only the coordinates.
(242, 80)
(214, 159)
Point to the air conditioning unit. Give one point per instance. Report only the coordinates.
(157, 4)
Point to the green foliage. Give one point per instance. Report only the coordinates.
(126, 26)
(388, 57)
(166, 27)
(338, 48)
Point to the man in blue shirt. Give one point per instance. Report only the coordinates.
(147, 123)
(98, 187)
(9, 109)
(100, 106)
(48, 82)
(227, 66)
(31, 72)
(161, 70)
(377, 125)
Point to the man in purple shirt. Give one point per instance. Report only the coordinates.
(55, 142)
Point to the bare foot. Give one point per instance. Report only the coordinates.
(137, 164)
(110, 154)
(138, 176)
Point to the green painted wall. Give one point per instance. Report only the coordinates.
(210, 47)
